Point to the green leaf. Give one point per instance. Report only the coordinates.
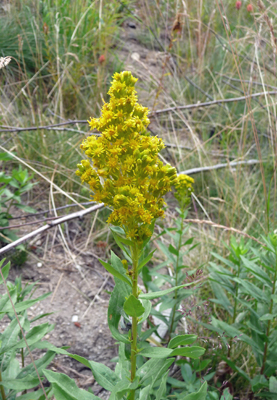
(28, 382)
(5, 270)
(155, 352)
(27, 209)
(34, 395)
(40, 363)
(147, 307)
(234, 332)
(191, 352)
(200, 395)
(119, 232)
(257, 271)
(133, 307)
(65, 388)
(9, 337)
(120, 293)
(253, 290)
(173, 250)
(23, 305)
(267, 317)
(33, 336)
(162, 388)
(155, 295)
(6, 157)
(120, 242)
(146, 260)
(115, 273)
(273, 384)
(104, 376)
(162, 352)
(181, 340)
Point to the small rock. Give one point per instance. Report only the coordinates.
(74, 318)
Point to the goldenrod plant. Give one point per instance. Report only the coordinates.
(124, 172)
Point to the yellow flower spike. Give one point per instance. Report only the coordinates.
(184, 188)
(123, 168)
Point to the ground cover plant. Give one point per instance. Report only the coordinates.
(206, 72)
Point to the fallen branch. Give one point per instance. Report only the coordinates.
(214, 225)
(218, 166)
(164, 110)
(211, 103)
(78, 214)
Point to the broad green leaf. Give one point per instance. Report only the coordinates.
(155, 295)
(200, 395)
(104, 376)
(181, 340)
(65, 388)
(115, 273)
(6, 157)
(12, 368)
(150, 368)
(133, 307)
(146, 260)
(28, 382)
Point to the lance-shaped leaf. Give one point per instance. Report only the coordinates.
(181, 340)
(155, 295)
(115, 273)
(65, 388)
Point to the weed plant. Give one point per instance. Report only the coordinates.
(219, 51)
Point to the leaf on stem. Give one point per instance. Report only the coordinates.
(133, 307)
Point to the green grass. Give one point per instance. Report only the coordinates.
(56, 75)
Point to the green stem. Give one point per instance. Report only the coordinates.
(269, 321)
(3, 394)
(176, 281)
(235, 312)
(135, 257)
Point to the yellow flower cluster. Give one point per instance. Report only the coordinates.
(122, 168)
(184, 189)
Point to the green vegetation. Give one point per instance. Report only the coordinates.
(63, 56)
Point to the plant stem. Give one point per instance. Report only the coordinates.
(135, 256)
(3, 394)
(269, 321)
(176, 281)
(235, 311)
